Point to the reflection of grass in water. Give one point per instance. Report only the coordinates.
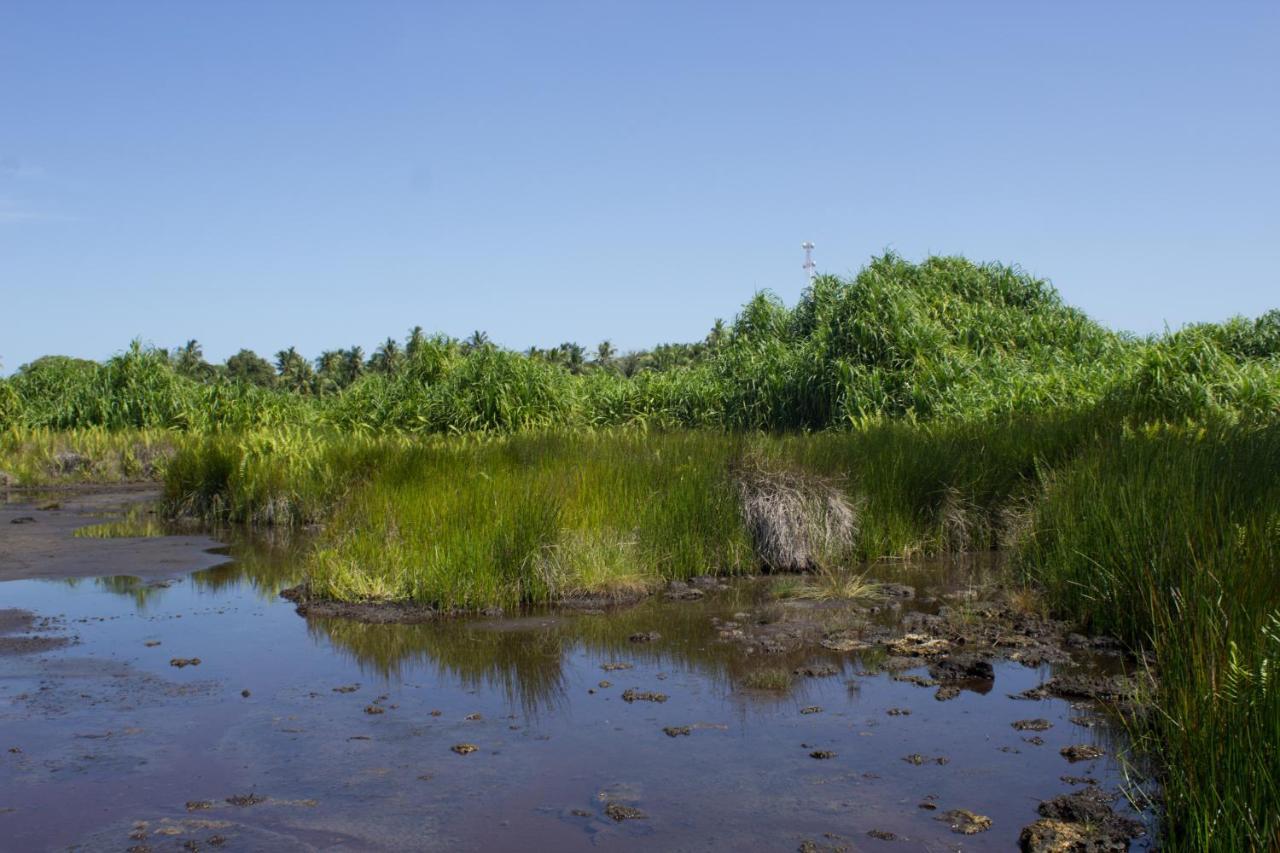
(142, 592)
(269, 562)
(137, 522)
(525, 665)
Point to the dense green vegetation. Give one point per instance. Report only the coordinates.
(943, 339)
(918, 408)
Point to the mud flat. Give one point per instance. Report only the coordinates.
(938, 717)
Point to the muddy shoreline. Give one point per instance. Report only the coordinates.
(792, 723)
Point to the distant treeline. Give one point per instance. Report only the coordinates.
(945, 338)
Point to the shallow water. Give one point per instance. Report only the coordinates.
(113, 741)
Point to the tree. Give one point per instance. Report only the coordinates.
(605, 353)
(353, 365)
(417, 340)
(295, 371)
(387, 358)
(478, 341)
(188, 360)
(248, 366)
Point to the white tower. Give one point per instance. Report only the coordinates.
(808, 259)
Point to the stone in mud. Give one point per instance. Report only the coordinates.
(604, 685)
(199, 805)
(1081, 752)
(841, 642)
(375, 709)
(822, 754)
(882, 834)
(645, 637)
(243, 800)
(946, 693)
(633, 695)
(184, 662)
(919, 645)
(1092, 807)
(347, 688)
(620, 812)
(681, 591)
(676, 731)
(1050, 835)
(962, 668)
(23, 519)
(473, 717)
(464, 748)
(917, 680)
(1034, 740)
(1036, 725)
(1096, 688)
(896, 590)
(899, 712)
(965, 822)
(917, 759)
(812, 709)
(1079, 780)
(614, 667)
(822, 670)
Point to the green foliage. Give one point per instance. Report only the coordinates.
(944, 340)
(1170, 538)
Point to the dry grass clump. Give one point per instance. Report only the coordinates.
(828, 584)
(797, 522)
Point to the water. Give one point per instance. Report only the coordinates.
(115, 742)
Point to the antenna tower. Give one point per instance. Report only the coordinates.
(808, 266)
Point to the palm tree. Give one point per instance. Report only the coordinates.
(573, 356)
(605, 353)
(387, 357)
(415, 342)
(189, 360)
(478, 341)
(353, 365)
(295, 371)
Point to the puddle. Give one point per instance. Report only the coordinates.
(297, 734)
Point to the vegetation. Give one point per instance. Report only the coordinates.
(917, 408)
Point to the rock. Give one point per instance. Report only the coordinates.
(899, 712)
(1049, 835)
(896, 590)
(681, 591)
(812, 709)
(23, 519)
(1081, 752)
(375, 709)
(946, 693)
(822, 754)
(184, 662)
(676, 731)
(614, 667)
(882, 834)
(919, 645)
(633, 695)
(962, 668)
(822, 670)
(965, 822)
(645, 637)
(464, 748)
(620, 812)
(1036, 725)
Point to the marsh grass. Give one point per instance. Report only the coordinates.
(1169, 538)
(767, 678)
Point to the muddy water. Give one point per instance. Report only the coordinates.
(344, 739)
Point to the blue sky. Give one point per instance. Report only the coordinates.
(322, 174)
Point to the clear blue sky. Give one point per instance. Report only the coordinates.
(323, 174)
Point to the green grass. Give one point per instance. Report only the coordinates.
(1170, 539)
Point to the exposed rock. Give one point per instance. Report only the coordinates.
(1081, 752)
(822, 670)
(676, 731)
(1036, 725)
(964, 667)
(965, 822)
(620, 812)
(633, 695)
(919, 645)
